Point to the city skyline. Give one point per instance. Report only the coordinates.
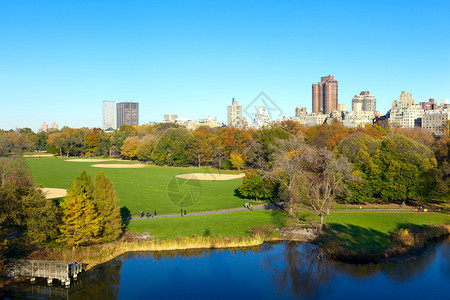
(191, 59)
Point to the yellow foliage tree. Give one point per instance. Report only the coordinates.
(237, 160)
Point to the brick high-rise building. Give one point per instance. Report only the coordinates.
(127, 113)
(325, 95)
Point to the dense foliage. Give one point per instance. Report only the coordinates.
(392, 165)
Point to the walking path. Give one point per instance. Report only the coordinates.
(207, 213)
(270, 207)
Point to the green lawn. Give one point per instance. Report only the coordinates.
(367, 230)
(230, 224)
(145, 188)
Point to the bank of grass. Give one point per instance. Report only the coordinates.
(229, 224)
(370, 235)
(98, 254)
(143, 188)
(191, 232)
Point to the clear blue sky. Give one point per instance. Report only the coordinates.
(60, 59)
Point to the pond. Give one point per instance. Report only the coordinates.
(272, 271)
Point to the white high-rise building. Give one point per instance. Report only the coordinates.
(405, 112)
(109, 111)
(368, 102)
(235, 114)
(262, 118)
(170, 118)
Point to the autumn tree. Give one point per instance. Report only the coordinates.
(92, 142)
(56, 140)
(237, 160)
(81, 224)
(145, 147)
(107, 205)
(199, 147)
(130, 146)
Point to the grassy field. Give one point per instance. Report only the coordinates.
(230, 224)
(367, 230)
(144, 188)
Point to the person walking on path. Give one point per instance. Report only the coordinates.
(155, 212)
(184, 212)
(181, 210)
(142, 214)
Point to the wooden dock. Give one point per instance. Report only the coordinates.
(51, 270)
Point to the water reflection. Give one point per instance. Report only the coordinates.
(283, 270)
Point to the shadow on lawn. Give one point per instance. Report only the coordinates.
(355, 237)
(126, 216)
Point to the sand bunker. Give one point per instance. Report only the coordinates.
(92, 159)
(38, 155)
(210, 176)
(120, 166)
(51, 193)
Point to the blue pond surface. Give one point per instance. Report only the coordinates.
(278, 271)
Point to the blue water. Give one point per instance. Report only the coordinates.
(278, 271)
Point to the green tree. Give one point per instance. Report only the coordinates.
(81, 224)
(257, 187)
(107, 204)
(40, 217)
(170, 149)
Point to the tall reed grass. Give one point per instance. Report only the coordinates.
(97, 254)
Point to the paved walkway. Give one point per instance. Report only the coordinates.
(207, 213)
(270, 207)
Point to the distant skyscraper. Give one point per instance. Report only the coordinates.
(325, 95)
(108, 114)
(170, 118)
(54, 126)
(405, 112)
(44, 127)
(368, 102)
(300, 111)
(234, 114)
(127, 113)
(262, 118)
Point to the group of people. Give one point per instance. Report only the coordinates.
(149, 214)
(248, 206)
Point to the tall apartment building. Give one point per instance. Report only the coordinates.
(300, 111)
(108, 114)
(234, 112)
(325, 95)
(262, 118)
(405, 112)
(430, 105)
(368, 102)
(170, 118)
(127, 113)
(433, 120)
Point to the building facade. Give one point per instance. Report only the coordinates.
(405, 112)
(234, 114)
(109, 120)
(433, 120)
(325, 95)
(127, 113)
(170, 118)
(300, 111)
(368, 102)
(262, 118)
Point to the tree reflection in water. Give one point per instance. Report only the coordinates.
(101, 282)
(304, 268)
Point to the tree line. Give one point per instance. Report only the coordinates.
(285, 161)
(28, 221)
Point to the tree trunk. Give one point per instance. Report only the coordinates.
(321, 223)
